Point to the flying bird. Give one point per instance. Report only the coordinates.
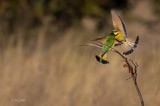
(117, 37)
(129, 44)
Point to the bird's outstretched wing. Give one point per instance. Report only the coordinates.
(118, 23)
(95, 43)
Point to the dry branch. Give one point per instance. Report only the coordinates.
(132, 67)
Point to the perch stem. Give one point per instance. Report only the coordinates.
(133, 72)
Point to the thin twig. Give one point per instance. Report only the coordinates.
(133, 71)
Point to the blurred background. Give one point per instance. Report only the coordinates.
(41, 63)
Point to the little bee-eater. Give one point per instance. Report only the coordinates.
(117, 37)
(106, 44)
(122, 37)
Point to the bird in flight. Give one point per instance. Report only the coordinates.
(122, 38)
(118, 36)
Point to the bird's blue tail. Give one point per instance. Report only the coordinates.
(102, 59)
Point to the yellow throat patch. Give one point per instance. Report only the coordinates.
(120, 36)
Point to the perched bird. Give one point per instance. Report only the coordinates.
(122, 38)
(106, 44)
(118, 36)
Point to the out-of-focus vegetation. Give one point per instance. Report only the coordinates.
(32, 13)
(30, 16)
(156, 5)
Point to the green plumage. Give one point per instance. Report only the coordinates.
(117, 37)
(107, 44)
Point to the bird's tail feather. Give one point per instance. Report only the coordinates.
(102, 59)
(130, 45)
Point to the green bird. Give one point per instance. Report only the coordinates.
(106, 44)
(117, 37)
